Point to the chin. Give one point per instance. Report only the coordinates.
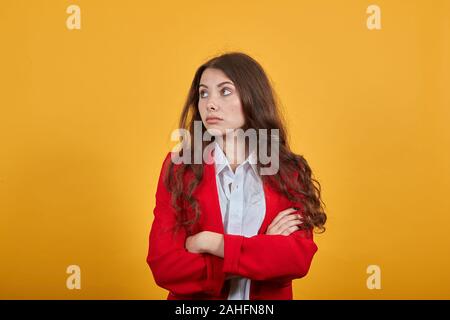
(215, 131)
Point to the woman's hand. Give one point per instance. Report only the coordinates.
(206, 242)
(195, 243)
(285, 223)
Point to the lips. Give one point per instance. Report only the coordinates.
(213, 119)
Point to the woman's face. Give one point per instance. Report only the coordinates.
(219, 102)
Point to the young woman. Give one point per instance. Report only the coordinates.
(222, 229)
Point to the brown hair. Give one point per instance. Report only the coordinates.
(261, 112)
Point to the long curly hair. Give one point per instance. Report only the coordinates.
(261, 111)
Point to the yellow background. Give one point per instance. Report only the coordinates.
(86, 117)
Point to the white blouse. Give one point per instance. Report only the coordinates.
(243, 206)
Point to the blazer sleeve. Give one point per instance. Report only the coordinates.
(270, 257)
(173, 267)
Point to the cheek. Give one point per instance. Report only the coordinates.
(202, 109)
(236, 111)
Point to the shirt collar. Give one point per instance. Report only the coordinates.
(221, 161)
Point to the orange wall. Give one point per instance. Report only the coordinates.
(86, 117)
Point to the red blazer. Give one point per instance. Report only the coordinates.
(270, 261)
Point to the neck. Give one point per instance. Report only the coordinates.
(233, 148)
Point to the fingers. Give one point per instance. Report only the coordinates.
(188, 244)
(289, 230)
(281, 215)
(281, 224)
(289, 219)
(284, 224)
(192, 244)
(290, 223)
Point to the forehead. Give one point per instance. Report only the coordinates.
(213, 76)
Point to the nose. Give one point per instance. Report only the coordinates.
(211, 106)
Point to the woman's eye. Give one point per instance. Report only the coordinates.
(226, 92)
(203, 94)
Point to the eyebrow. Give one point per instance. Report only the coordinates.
(220, 84)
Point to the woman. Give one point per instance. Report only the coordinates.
(224, 229)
